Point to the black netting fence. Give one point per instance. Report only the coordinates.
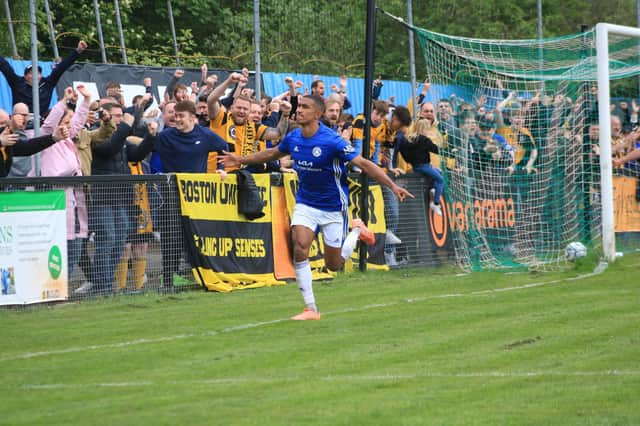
(127, 232)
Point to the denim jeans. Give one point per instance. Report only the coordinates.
(112, 225)
(85, 262)
(436, 177)
(391, 214)
(171, 240)
(73, 254)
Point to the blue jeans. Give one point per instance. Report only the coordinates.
(73, 248)
(73, 254)
(112, 225)
(436, 178)
(391, 213)
(156, 203)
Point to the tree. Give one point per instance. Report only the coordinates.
(312, 36)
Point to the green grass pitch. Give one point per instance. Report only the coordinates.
(407, 347)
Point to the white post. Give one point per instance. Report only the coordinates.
(638, 25)
(412, 58)
(604, 120)
(52, 31)
(604, 116)
(540, 42)
(35, 92)
(12, 37)
(103, 52)
(256, 44)
(123, 49)
(172, 26)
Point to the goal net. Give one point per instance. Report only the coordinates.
(520, 156)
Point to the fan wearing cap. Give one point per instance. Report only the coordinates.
(491, 145)
(21, 87)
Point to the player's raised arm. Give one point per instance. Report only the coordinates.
(631, 156)
(229, 159)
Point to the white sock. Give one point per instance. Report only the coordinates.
(349, 244)
(304, 280)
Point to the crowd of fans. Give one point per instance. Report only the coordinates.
(196, 121)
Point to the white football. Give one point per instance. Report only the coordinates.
(575, 250)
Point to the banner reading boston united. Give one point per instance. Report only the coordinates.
(228, 251)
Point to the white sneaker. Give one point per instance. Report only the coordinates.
(84, 288)
(391, 238)
(390, 259)
(436, 208)
(349, 244)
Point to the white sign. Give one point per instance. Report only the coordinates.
(33, 247)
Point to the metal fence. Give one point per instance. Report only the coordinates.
(128, 235)
(413, 227)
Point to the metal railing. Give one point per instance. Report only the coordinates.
(128, 236)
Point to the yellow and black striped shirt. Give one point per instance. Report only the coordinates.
(243, 139)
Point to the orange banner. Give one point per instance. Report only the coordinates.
(626, 207)
(280, 227)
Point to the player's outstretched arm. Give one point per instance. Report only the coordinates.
(378, 174)
(229, 159)
(633, 155)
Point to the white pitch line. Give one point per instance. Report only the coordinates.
(96, 347)
(487, 374)
(48, 386)
(241, 327)
(504, 289)
(251, 325)
(334, 378)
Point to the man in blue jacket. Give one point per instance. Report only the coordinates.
(184, 148)
(21, 87)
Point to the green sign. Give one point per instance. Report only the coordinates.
(28, 201)
(55, 262)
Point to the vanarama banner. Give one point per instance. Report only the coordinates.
(33, 247)
(229, 252)
(487, 215)
(375, 257)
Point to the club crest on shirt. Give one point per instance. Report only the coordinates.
(232, 132)
(317, 152)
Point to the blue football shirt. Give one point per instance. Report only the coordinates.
(320, 164)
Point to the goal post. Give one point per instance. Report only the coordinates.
(606, 168)
(519, 198)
